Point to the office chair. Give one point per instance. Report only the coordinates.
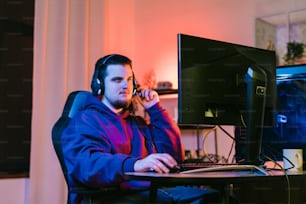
(74, 103)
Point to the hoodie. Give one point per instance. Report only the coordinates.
(99, 146)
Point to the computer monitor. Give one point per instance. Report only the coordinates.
(290, 129)
(222, 83)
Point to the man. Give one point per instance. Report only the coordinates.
(106, 139)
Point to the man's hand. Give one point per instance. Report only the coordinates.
(148, 98)
(158, 162)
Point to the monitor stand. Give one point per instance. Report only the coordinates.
(256, 79)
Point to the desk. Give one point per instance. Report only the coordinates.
(228, 182)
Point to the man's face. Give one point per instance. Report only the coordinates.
(118, 86)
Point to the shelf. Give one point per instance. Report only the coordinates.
(166, 91)
(195, 126)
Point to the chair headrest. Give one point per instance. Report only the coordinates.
(76, 101)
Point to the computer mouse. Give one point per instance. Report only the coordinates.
(175, 169)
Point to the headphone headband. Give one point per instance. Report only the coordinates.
(106, 59)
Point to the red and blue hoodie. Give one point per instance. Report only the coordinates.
(99, 146)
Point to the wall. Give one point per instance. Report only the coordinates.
(149, 34)
(14, 191)
(275, 31)
(158, 23)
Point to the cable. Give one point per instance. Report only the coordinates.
(242, 121)
(286, 176)
(276, 152)
(228, 134)
(203, 143)
(233, 138)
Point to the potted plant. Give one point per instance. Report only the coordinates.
(295, 51)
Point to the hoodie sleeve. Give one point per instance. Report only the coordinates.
(88, 153)
(165, 132)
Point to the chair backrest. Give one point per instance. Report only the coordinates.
(74, 103)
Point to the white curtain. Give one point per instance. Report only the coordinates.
(67, 42)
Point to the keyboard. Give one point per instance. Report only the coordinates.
(199, 165)
(187, 168)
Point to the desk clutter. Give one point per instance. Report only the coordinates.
(197, 161)
(198, 156)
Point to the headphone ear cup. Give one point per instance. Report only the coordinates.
(134, 92)
(95, 85)
(102, 88)
(134, 86)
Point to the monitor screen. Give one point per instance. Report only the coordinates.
(290, 129)
(212, 79)
(222, 83)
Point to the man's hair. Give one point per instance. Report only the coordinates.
(97, 83)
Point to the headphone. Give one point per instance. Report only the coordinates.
(97, 84)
